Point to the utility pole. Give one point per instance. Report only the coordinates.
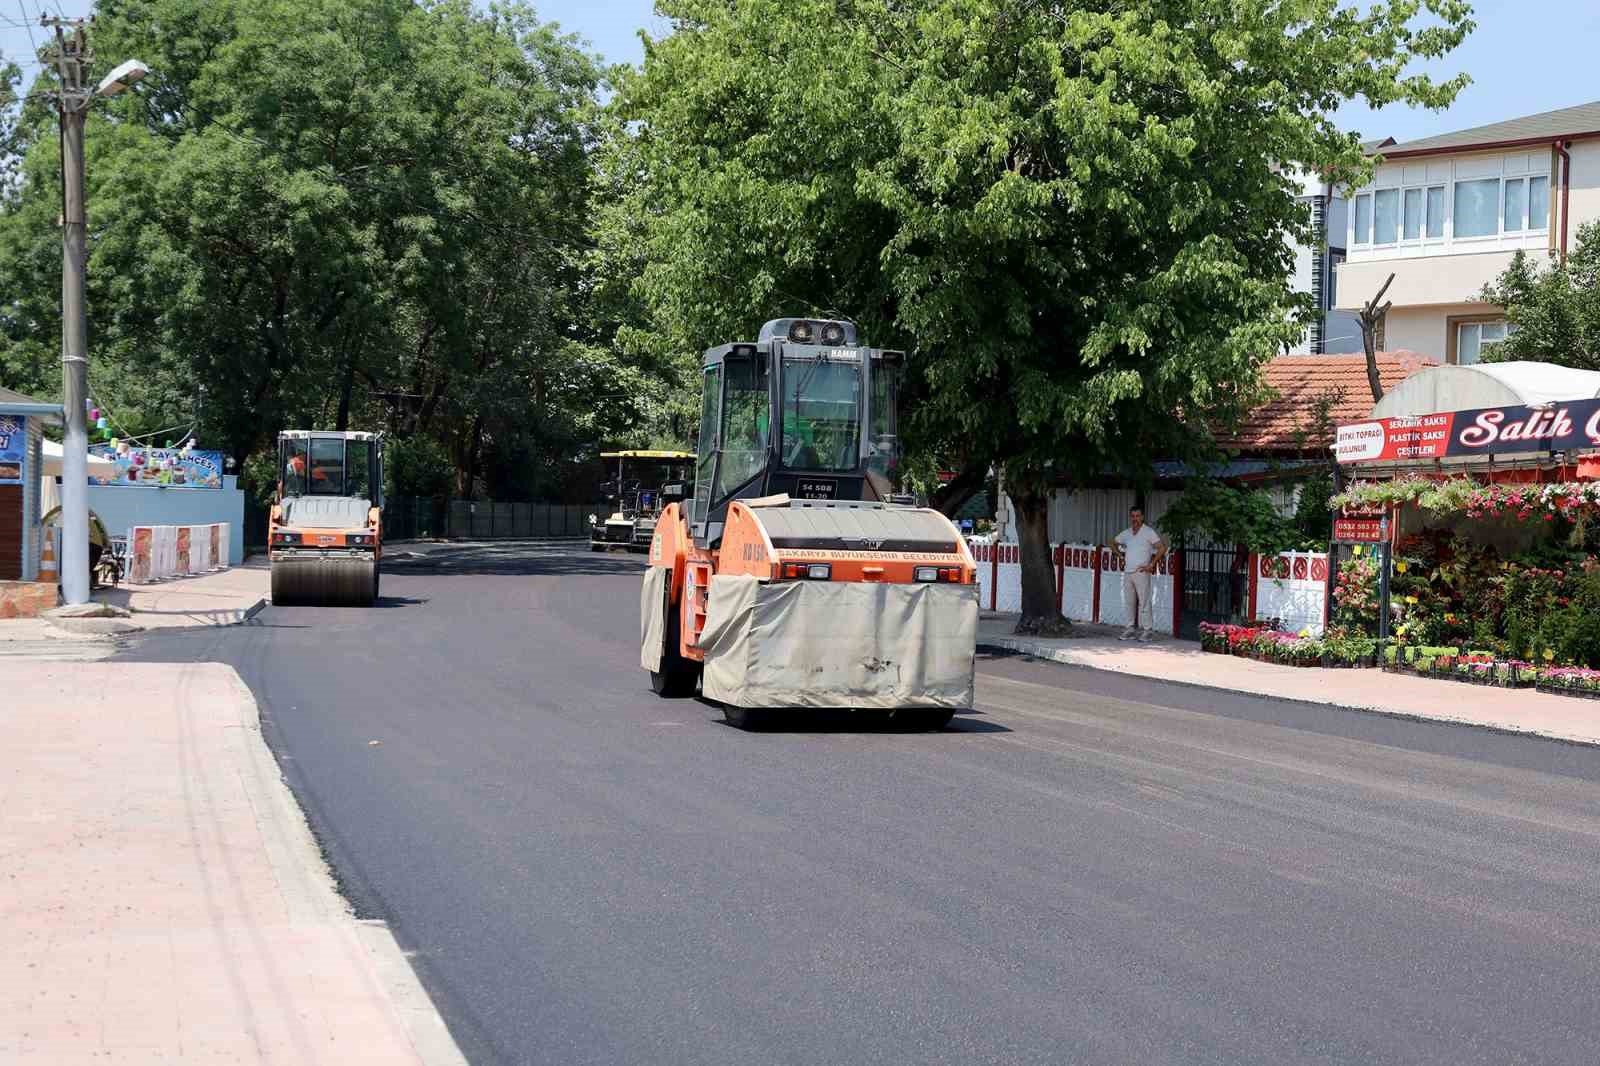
(72, 57)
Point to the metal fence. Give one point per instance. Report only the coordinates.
(1215, 585)
(406, 517)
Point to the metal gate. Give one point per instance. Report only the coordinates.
(1216, 584)
(405, 517)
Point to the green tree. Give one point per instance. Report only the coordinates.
(333, 213)
(10, 79)
(418, 466)
(1554, 312)
(1071, 214)
(1225, 514)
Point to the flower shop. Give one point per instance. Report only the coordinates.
(1466, 542)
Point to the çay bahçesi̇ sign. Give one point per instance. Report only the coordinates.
(1570, 426)
(162, 467)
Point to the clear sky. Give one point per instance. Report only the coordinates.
(1526, 56)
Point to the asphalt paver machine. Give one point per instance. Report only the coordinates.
(645, 482)
(326, 531)
(791, 578)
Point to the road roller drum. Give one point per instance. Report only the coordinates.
(327, 582)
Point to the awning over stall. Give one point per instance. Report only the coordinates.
(53, 457)
(1496, 415)
(1463, 388)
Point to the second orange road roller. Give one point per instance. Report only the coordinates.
(325, 536)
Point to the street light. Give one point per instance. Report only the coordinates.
(125, 76)
(72, 59)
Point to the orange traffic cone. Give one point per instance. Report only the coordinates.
(47, 555)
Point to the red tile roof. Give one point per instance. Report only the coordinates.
(1285, 423)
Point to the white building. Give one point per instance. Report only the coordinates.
(1333, 331)
(1445, 215)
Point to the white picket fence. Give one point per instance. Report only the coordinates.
(1290, 588)
(1088, 583)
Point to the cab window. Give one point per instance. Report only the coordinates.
(327, 467)
(294, 467)
(358, 469)
(706, 453)
(821, 415)
(744, 424)
(883, 441)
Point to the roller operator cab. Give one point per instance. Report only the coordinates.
(794, 577)
(326, 531)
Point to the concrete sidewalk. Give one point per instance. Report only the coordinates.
(224, 598)
(163, 899)
(1512, 710)
(36, 638)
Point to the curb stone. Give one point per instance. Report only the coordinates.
(311, 893)
(94, 628)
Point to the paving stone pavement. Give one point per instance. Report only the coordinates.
(161, 897)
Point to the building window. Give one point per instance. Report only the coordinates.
(1474, 340)
(1436, 212)
(1539, 203)
(1385, 216)
(1477, 208)
(1516, 205)
(1334, 259)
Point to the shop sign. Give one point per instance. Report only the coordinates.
(1570, 426)
(1361, 525)
(1361, 530)
(163, 467)
(13, 439)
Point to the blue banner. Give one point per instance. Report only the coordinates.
(13, 441)
(161, 467)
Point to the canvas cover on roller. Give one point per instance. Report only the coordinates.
(653, 616)
(840, 644)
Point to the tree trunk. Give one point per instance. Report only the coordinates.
(1030, 495)
(341, 421)
(467, 465)
(1371, 319)
(1369, 342)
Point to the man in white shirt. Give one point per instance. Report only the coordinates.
(1142, 550)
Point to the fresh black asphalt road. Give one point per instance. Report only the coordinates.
(1088, 869)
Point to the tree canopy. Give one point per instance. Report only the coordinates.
(371, 213)
(1554, 312)
(1076, 216)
